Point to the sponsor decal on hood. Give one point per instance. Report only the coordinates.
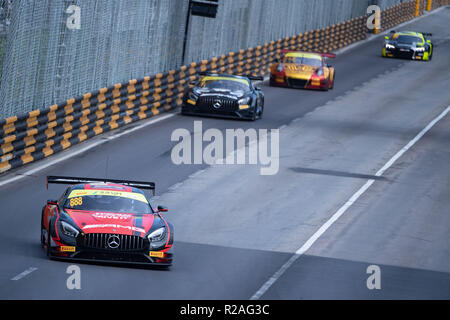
(111, 216)
(114, 226)
(111, 222)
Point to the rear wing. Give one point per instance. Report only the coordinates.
(74, 180)
(255, 78)
(427, 34)
(249, 77)
(325, 55)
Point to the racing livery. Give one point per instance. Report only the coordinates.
(303, 70)
(227, 96)
(408, 45)
(106, 221)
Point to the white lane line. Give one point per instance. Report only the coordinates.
(342, 209)
(71, 154)
(24, 274)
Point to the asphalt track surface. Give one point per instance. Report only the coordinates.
(234, 229)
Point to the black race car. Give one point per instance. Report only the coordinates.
(408, 45)
(224, 95)
(105, 220)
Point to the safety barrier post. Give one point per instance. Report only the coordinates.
(416, 13)
(377, 22)
(429, 3)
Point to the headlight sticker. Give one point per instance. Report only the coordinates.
(67, 249)
(157, 254)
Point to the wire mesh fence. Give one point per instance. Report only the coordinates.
(247, 23)
(45, 61)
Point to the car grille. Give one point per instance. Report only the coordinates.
(207, 104)
(404, 54)
(101, 240)
(297, 83)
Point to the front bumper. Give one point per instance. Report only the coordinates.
(401, 54)
(164, 259)
(246, 114)
(286, 82)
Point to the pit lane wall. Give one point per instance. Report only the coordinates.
(41, 133)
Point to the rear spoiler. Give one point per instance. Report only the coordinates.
(423, 33)
(325, 55)
(73, 180)
(254, 78)
(250, 77)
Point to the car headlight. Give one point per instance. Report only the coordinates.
(319, 72)
(245, 100)
(389, 46)
(421, 49)
(68, 230)
(157, 235)
(280, 68)
(193, 96)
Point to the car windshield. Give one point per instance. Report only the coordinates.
(408, 39)
(225, 84)
(108, 201)
(304, 60)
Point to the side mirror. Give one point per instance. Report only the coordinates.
(162, 209)
(52, 202)
(258, 88)
(329, 66)
(386, 38)
(429, 41)
(193, 83)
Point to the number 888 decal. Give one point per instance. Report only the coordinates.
(76, 202)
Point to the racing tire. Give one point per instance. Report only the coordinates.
(42, 230)
(260, 113)
(42, 237)
(48, 250)
(254, 117)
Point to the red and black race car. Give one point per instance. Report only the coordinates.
(106, 220)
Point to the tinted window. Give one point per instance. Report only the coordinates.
(304, 60)
(408, 39)
(224, 84)
(130, 203)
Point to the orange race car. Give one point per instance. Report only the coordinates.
(303, 70)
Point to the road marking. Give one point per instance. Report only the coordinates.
(305, 247)
(174, 187)
(24, 274)
(197, 173)
(84, 149)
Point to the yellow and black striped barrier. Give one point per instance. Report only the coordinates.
(39, 134)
